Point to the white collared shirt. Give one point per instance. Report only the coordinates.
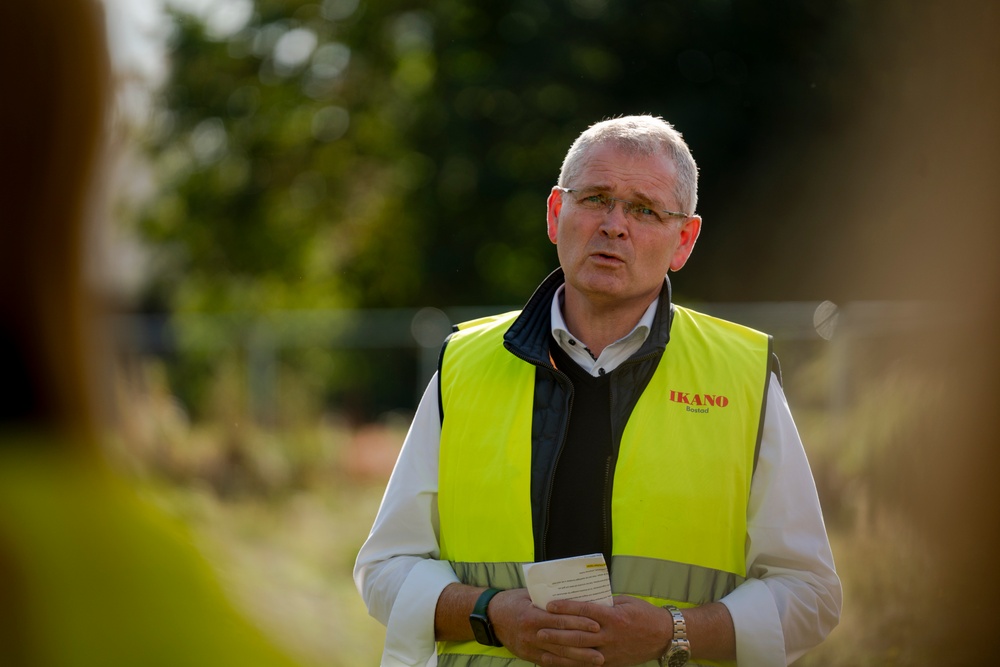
(613, 355)
(789, 603)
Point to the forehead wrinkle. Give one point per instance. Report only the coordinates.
(632, 195)
(613, 171)
(640, 197)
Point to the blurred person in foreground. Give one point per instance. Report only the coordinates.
(89, 575)
(603, 418)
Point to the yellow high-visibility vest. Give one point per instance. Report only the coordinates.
(681, 481)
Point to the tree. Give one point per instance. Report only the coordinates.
(361, 154)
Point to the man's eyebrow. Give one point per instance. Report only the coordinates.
(636, 196)
(639, 197)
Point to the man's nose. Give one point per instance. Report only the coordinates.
(615, 224)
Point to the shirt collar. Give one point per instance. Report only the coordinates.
(614, 354)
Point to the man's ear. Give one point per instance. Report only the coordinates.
(553, 208)
(688, 234)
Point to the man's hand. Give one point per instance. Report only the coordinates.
(631, 632)
(543, 638)
(635, 631)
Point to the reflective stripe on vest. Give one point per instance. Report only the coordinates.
(656, 581)
(682, 477)
(641, 577)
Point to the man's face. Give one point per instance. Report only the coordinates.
(612, 258)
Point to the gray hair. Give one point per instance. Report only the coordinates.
(639, 135)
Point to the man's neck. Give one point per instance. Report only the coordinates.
(598, 325)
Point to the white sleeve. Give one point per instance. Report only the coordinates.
(397, 571)
(792, 597)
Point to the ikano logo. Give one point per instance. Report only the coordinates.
(698, 402)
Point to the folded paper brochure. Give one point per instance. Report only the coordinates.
(581, 578)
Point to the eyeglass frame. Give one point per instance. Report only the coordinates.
(626, 204)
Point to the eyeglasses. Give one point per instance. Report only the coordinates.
(639, 212)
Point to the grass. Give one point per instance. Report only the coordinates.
(281, 514)
(288, 564)
(884, 570)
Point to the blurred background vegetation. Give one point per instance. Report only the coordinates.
(312, 191)
(346, 154)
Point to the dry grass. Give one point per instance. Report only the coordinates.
(281, 515)
(886, 573)
(288, 564)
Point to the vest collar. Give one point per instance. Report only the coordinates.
(528, 336)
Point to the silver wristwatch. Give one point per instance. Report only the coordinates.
(679, 651)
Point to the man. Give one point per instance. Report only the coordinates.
(604, 419)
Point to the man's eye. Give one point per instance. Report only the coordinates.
(596, 200)
(646, 214)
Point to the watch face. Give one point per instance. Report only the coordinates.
(678, 656)
(481, 629)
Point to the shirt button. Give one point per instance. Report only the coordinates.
(600, 371)
(572, 342)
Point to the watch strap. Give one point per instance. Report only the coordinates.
(484, 601)
(482, 628)
(679, 651)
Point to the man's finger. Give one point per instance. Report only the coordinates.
(554, 654)
(561, 621)
(575, 608)
(569, 638)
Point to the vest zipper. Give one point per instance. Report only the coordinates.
(606, 506)
(606, 519)
(552, 472)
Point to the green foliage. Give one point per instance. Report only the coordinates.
(260, 196)
(372, 154)
(348, 153)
